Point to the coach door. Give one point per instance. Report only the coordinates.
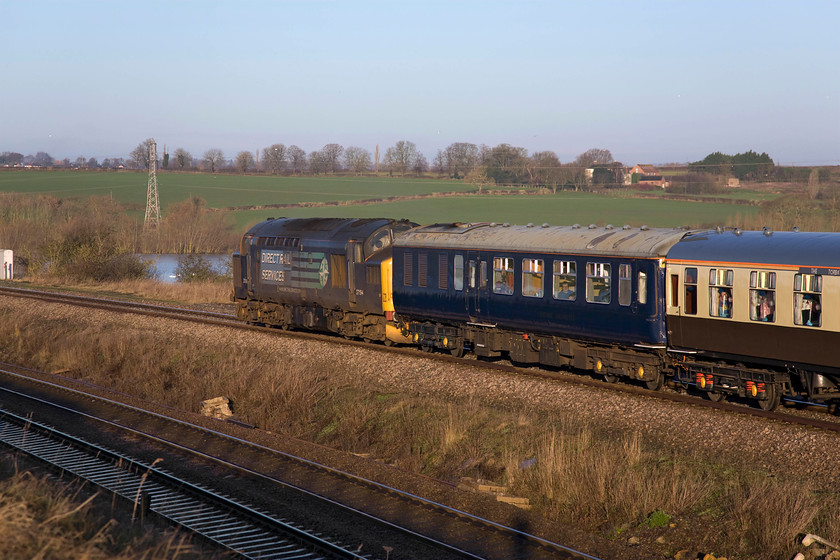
(476, 292)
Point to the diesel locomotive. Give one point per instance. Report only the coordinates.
(728, 312)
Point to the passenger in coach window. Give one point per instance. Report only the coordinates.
(724, 304)
(565, 292)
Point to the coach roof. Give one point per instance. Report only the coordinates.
(791, 248)
(587, 240)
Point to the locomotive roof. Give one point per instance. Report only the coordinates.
(588, 240)
(321, 228)
(791, 248)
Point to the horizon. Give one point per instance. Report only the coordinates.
(654, 82)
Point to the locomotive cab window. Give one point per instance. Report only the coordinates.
(565, 280)
(532, 278)
(720, 292)
(690, 284)
(503, 275)
(807, 300)
(598, 282)
(763, 296)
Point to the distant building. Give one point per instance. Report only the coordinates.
(733, 182)
(648, 175)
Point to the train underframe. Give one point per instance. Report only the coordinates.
(610, 360)
(349, 324)
(765, 385)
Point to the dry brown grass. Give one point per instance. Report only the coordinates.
(41, 518)
(607, 482)
(187, 293)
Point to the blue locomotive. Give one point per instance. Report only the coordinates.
(725, 311)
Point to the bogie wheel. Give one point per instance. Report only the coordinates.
(772, 401)
(457, 352)
(388, 342)
(425, 348)
(656, 383)
(609, 378)
(715, 396)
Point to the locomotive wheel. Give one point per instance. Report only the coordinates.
(772, 401)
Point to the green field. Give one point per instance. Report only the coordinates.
(220, 191)
(565, 208)
(225, 191)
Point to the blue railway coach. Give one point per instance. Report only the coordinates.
(588, 297)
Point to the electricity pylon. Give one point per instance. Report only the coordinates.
(152, 204)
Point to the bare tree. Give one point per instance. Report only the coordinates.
(274, 157)
(401, 156)
(318, 162)
(332, 154)
(545, 169)
(420, 164)
(182, 158)
(297, 157)
(92, 163)
(140, 155)
(214, 158)
(592, 156)
(460, 158)
(245, 161)
(357, 159)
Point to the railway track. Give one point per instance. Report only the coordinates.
(204, 467)
(235, 526)
(228, 320)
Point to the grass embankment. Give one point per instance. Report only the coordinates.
(41, 517)
(611, 482)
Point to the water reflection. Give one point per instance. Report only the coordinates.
(165, 265)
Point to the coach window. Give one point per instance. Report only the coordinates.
(503, 275)
(690, 284)
(458, 279)
(642, 287)
(532, 278)
(598, 282)
(565, 280)
(625, 284)
(763, 296)
(720, 292)
(807, 299)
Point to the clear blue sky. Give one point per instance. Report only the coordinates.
(653, 81)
